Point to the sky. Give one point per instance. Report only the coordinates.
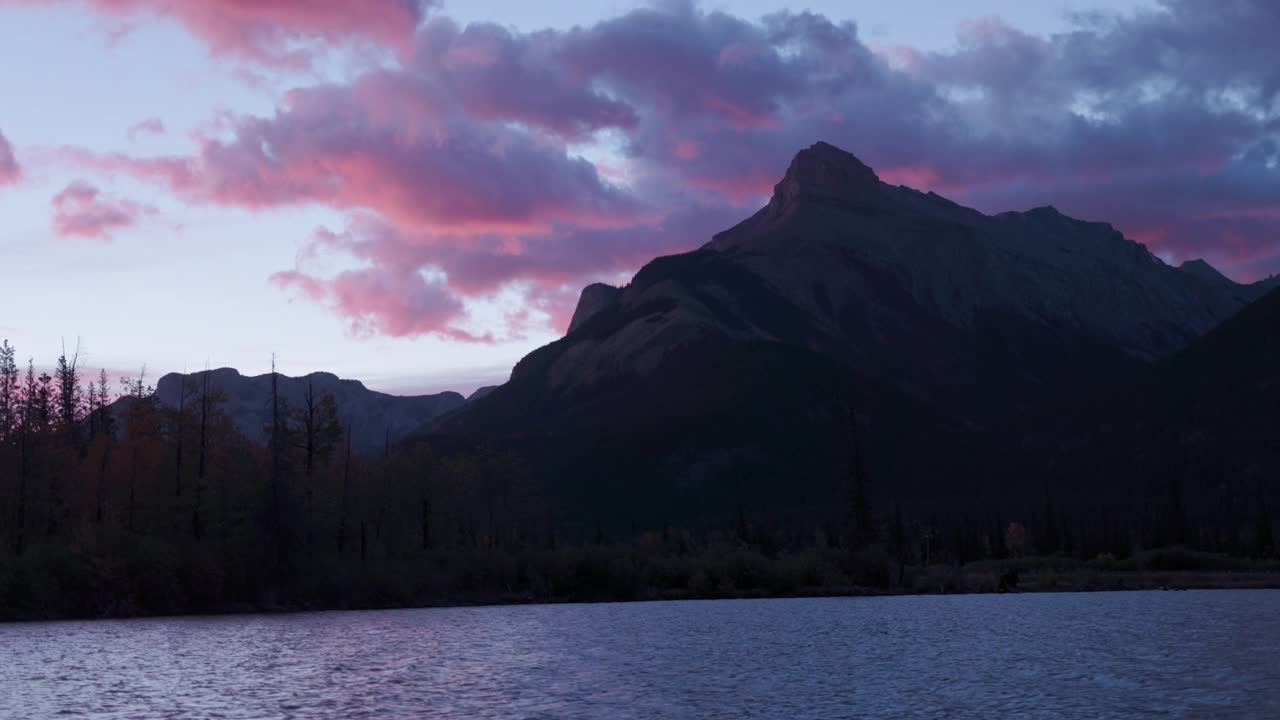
(412, 193)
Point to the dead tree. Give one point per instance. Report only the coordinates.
(346, 494)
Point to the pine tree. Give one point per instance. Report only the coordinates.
(106, 423)
(9, 392)
(70, 402)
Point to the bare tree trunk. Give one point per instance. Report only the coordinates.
(201, 457)
(277, 461)
(346, 489)
(55, 503)
(386, 484)
(177, 452)
(310, 428)
(133, 486)
(20, 542)
(100, 485)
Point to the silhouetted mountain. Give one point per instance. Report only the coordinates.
(374, 417)
(979, 313)
(932, 319)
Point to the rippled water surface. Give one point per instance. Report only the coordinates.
(1154, 654)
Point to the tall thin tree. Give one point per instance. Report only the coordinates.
(103, 426)
(346, 495)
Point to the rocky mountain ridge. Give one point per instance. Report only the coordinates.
(375, 418)
(896, 282)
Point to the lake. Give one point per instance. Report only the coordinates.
(1193, 654)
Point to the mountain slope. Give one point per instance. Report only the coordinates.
(1195, 436)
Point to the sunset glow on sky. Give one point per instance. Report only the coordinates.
(413, 194)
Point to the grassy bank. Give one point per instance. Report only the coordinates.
(139, 580)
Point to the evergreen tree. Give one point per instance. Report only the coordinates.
(70, 401)
(10, 389)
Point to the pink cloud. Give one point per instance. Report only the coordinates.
(396, 304)
(381, 145)
(549, 269)
(269, 32)
(150, 126)
(81, 211)
(10, 172)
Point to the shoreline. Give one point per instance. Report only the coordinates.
(1031, 583)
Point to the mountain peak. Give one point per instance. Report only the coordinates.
(594, 298)
(823, 171)
(1203, 270)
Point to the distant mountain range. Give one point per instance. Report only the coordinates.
(946, 331)
(375, 418)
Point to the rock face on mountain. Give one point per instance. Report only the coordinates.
(374, 417)
(594, 298)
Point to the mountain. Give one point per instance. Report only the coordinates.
(936, 323)
(374, 417)
(969, 310)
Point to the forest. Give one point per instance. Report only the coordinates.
(113, 504)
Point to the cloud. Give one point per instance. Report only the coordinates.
(548, 270)
(150, 126)
(491, 161)
(10, 171)
(376, 301)
(492, 73)
(274, 32)
(365, 148)
(81, 211)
